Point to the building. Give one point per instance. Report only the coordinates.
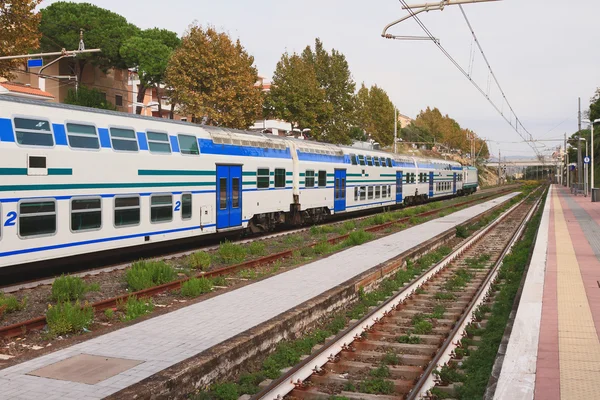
(20, 90)
(403, 120)
(271, 126)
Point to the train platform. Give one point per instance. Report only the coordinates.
(107, 364)
(553, 351)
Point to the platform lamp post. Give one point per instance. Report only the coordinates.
(592, 146)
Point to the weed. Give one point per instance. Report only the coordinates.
(196, 286)
(70, 288)
(109, 313)
(147, 273)
(448, 374)
(307, 252)
(445, 296)
(349, 225)
(459, 280)
(380, 372)
(390, 359)
(438, 312)
(376, 386)
(248, 274)
(230, 253)
(420, 291)
(135, 308)
(409, 339)
(438, 394)
(68, 317)
(350, 387)
(357, 238)
(9, 303)
(256, 248)
(219, 281)
(423, 327)
(477, 262)
(462, 232)
(224, 391)
(323, 248)
(199, 260)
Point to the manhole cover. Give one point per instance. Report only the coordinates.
(85, 368)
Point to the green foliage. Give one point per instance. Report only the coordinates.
(230, 253)
(445, 296)
(109, 313)
(219, 281)
(70, 288)
(103, 29)
(213, 77)
(462, 232)
(390, 359)
(87, 97)
(357, 238)
(375, 113)
(196, 286)
(409, 339)
(134, 308)
(144, 274)
(423, 327)
(248, 274)
(9, 303)
(477, 262)
(256, 248)
(448, 374)
(68, 317)
(376, 386)
(380, 372)
(458, 281)
(438, 312)
(200, 260)
(323, 248)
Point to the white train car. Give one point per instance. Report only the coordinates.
(79, 182)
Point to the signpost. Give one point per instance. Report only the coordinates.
(35, 63)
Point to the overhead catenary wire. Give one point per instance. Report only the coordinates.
(518, 123)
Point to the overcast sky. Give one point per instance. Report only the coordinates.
(540, 51)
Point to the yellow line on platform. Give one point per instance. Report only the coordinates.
(579, 348)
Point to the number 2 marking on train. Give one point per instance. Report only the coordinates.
(10, 219)
(177, 205)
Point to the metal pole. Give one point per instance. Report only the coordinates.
(579, 160)
(587, 179)
(395, 128)
(568, 172)
(498, 167)
(56, 53)
(566, 164)
(592, 148)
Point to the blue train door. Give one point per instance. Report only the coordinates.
(454, 183)
(229, 196)
(431, 184)
(398, 186)
(339, 203)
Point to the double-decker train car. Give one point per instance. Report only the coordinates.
(77, 181)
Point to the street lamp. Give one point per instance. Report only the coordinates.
(592, 144)
(584, 174)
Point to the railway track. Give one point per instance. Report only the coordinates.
(393, 351)
(40, 322)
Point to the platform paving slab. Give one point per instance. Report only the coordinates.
(168, 339)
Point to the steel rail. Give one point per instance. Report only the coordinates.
(37, 323)
(314, 363)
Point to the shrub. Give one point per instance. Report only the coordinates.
(357, 238)
(109, 313)
(376, 386)
(195, 287)
(256, 248)
(462, 232)
(199, 260)
(423, 327)
(225, 391)
(323, 248)
(70, 288)
(390, 358)
(409, 339)
(68, 317)
(145, 274)
(135, 308)
(231, 253)
(9, 303)
(219, 281)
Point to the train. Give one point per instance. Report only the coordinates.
(78, 181)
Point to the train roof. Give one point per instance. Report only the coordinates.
(222, 135)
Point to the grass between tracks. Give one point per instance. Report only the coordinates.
(288, 353)
(475, 371)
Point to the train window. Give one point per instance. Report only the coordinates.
(370, 193)
(123, 139)
(376, 161)
(384, 191)
(161, 208)
(158, 142)
(322, 178)
(361, 160)
(369, 161)
(377, 192)
(235, 192)
(355, 193)
(262, 178)
(309, 178)
(82, 136)
(389, 190)
(363, 192)
(33, 132)
(412, 178)
(353, 159)
(186, 206)
(389, 162)
(86, 214)
(279, 177)
(222, 193)
(127, 211)
(37, 218)
(188, 144)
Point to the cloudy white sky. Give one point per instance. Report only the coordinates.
(540, 50)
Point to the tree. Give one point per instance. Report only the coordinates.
(87, 97)
(18, 31)
(295, 95)
(104, 29)
(149, 54)
(334, 78)
(375, 114)
(595, 107)
(213, 78)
